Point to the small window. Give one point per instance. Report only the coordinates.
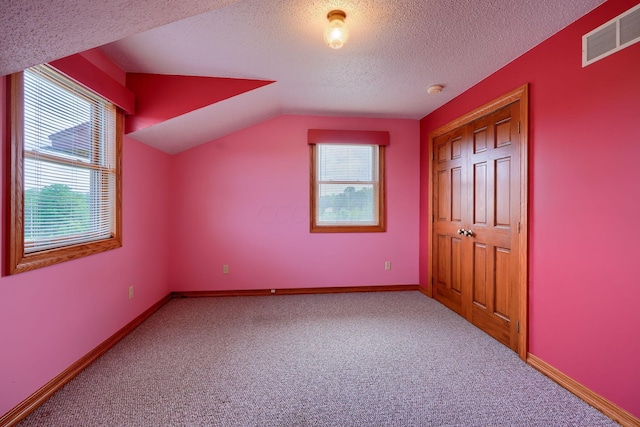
(347, 187)
(65, 171)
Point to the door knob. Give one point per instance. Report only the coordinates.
(462, 231)
(468, 233)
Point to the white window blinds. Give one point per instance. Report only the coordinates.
(69, 162)
(347, 184)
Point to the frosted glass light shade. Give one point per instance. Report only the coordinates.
(336, 32)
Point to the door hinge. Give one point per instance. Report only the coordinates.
(433, 218)
(518, 227)
(518, 127)
(518, 326)
(432, 155)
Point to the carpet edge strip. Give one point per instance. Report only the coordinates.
(24, 408)
(602, 404)
(293, 291)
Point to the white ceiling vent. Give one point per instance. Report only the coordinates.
(612, 36)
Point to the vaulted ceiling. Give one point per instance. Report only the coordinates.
(397, 48)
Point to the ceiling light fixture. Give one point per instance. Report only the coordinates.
(433, 89)
(336, 32)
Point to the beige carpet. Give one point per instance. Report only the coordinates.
(362, 359)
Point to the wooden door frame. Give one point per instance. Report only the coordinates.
(520, 94)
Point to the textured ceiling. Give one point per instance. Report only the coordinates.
(397, 48)
(38, 31)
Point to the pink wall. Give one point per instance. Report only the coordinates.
(584, 287)
(243, 200)
(51, 317)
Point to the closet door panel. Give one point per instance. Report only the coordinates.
(493, 221)
(450, 209)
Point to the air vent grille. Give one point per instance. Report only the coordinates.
(602, 41)
(612, 36)
(630, 27)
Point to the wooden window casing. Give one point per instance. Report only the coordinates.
(18, 259)
(377, 140)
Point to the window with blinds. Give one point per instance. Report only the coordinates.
(347, 178)
(347, 187)
(66, 176)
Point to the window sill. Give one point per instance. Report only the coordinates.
(348, 228)
(21, 263)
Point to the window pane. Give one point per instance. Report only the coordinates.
(69, 183)
(346, 203)
(56, 121)
(338, 162)
(58, 207)
(66, 180)
(348, 188)
(39, 173)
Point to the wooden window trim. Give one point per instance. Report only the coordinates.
(382, 220)
(17, 261)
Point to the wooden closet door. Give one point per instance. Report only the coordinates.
(450, 204)
(477, 189)
(494, 195)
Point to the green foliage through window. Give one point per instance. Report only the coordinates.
(55, 210)
(352, 205)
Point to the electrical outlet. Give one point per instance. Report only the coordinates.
(225, 269)
(131, 292)
(387, 265)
